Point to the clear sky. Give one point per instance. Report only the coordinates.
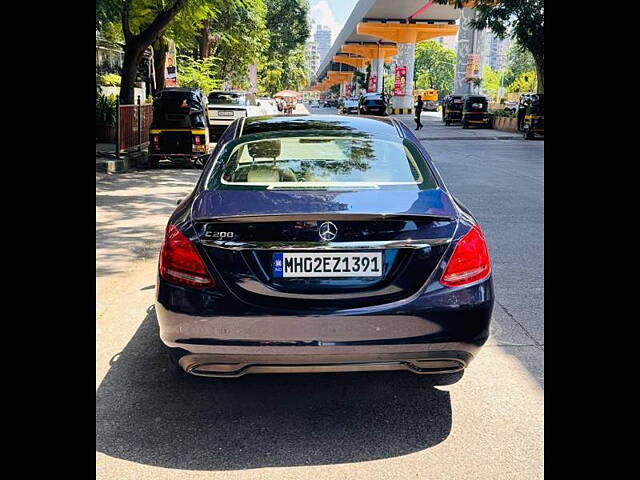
(332, 12)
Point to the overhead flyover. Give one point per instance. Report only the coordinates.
(377, 30)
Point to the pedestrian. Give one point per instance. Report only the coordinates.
(418, 112)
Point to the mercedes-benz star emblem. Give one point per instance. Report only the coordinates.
(327, 231)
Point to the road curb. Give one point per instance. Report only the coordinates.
(120, 165)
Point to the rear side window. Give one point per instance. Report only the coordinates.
(322, 162)
(227, 98)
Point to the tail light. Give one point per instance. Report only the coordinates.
(180, 262)
(469, 261)
(156, 140)
(196, 139)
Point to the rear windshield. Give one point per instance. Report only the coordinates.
(320, 161)
(227, 98)
(374, 102)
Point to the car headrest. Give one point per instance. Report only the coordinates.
(264, 149)
(263, 174)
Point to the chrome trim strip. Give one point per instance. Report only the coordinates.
(199, 366)
(370, 245)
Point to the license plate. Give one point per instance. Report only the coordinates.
(327, 264)
(225, 113)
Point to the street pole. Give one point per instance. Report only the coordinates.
(118, 126)
(139, 125)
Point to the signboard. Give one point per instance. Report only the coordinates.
(373, 83)
(400, 83)
(170, 71)
(473, 67)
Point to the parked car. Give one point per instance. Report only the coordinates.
(372, 104)
(226, 106)
(315, 104)
(322, 243)
(346, 106)
(268, 104)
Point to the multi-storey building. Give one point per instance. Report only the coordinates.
(495, 51)
(322, 39)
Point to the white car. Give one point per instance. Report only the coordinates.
(315, 104)
(227, 106)
(269, 105)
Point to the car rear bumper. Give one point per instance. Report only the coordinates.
(222, 123)
(422, 341)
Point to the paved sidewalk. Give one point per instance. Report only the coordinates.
(434, 129)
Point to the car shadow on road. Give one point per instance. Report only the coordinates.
(149, 413)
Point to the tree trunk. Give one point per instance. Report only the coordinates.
(159, 61)
(135, 45)
(204, 41)
(132, 57)
(540, 73)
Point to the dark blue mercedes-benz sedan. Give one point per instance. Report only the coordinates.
(322, 243)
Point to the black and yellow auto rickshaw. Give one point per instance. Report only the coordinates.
(452, 109)
(179, 131)
(533, 122)
(475, 111)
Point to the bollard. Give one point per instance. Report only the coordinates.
(118, 126)
(139, 125)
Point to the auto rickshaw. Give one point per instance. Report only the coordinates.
(180, 128)
(533, 122)
(452, 109)
(475, 111)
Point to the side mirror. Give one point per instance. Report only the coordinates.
(199, 163)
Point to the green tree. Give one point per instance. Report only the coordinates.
(525, 82)
(197, 73)
(490, 81)
(283, 64)
(143, 22)
(434, 67)
(522, 20)
(238, 37)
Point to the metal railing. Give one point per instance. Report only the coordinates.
(132, 122)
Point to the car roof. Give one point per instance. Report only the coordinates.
(229, 91)
(280, 123)
(178, 89)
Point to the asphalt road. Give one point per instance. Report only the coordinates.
(485, 424)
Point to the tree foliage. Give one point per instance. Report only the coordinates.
(238, 38)
(238, 33)
(525, 82)
(284, 65)
(434, 67)
(198, 73)
(519, 60)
